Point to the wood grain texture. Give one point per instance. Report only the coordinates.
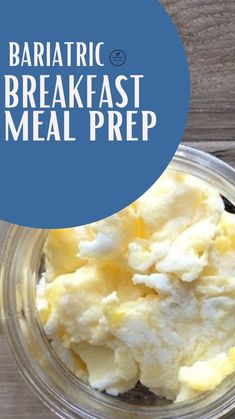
(16, 399)
(207, 28)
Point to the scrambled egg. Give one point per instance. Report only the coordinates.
(146, 295)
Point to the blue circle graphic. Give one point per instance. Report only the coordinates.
(94, 99)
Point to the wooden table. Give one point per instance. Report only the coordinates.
(208, 30)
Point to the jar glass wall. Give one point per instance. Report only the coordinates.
(57, 387)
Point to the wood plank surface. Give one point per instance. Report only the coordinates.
(207, 28)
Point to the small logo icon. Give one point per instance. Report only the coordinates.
(117, 57)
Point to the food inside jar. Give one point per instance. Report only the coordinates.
(146, 295)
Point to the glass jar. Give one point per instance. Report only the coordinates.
(55, 385)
